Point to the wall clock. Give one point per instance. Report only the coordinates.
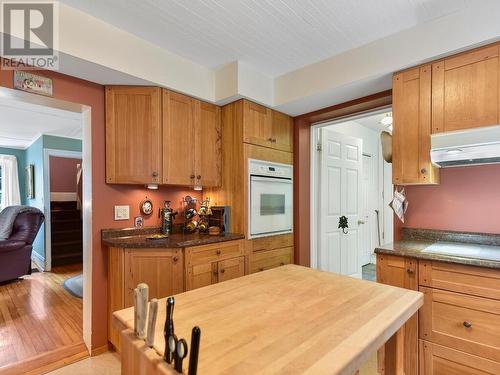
(146, 206)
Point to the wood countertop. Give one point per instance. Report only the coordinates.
(288, 320)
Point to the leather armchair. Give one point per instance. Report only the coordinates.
(15, 252)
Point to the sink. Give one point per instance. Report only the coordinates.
(465, 250)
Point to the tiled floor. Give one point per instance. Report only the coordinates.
(104, 364)
(370, 272)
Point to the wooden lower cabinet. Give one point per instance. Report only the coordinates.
(265, 260)
(161, 269)
(439, 360)
(401, 272)
(210, 264)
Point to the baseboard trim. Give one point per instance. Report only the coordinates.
(99, 350)
(38, 260)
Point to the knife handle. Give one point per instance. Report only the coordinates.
(195, 350)
(141, 303)
(153, 310)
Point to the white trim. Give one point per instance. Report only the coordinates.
(47, 153)
(62, 196)
(38, 260)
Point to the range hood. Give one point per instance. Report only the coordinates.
(466, 147)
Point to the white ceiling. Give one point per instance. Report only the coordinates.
(272, 36)
(23, 123)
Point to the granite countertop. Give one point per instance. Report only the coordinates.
(473, 249)
(137, 238)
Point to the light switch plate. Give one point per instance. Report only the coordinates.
(122, 212)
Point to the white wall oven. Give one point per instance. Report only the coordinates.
(270, 204)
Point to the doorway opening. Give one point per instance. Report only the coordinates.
(49, 324)
(351, 187)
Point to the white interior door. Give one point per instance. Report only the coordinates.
(340, 179)
(368, 220)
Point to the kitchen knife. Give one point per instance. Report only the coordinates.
(195, 350)
(169, 328)
(153, 310)
(141, 309)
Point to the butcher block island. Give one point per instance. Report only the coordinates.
(287, 320)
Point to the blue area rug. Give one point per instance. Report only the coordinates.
(74, 285)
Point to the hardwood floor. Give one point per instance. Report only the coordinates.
(40, 322)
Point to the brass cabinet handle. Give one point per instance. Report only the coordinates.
(423, 171)
(261, 269)
(198, 177)
(218, 252)
(192, 176)
(175, 259)
(410, 271)
(222, 270)
(154, 174)
(467, 324)
(270, 139)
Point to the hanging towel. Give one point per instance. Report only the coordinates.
(399, 203)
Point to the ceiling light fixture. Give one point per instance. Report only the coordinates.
(387, 119)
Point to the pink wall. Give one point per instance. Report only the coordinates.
(468, 199)
(104, 196)
(63, 174)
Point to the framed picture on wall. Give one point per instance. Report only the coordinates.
(29, 179)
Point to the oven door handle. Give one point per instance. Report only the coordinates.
(283, 180)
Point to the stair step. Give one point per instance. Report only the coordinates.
(65, 214)
(68, 224)
(58, 236)
(71, 205)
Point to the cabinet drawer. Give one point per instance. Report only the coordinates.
(463, 322)
(440, 360)
(478, 281)
(266, 260)
(272, 243)
(214, 252)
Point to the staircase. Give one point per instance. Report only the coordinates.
(66, 230)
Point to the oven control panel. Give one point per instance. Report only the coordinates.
(265, 168)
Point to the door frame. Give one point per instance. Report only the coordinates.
(315, 136)
(47, 153)
(86, 118)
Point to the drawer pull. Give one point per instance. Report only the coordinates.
(218, 252)
(222, 271)
(261, 269)
(282, 264)
(467, 324)
(175, 259)
(410, 271)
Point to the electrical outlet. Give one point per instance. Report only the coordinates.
(122, 212)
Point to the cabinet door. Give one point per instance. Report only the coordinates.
(201, 275)
(400, 272)
(257, 124)
(282, 132)
(208, 143)
(178, 139)
(162, 270)
(133, 135)
(412, 128)
(465, 90)
(440, 360)
(231, 269)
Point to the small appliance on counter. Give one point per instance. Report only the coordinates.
(220, 218)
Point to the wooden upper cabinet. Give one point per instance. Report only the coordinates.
(282, 130)
(178, 139)
(208, 145)
(412, 128)
(257, 124)
(265, 127)
(465, 90)
(133, 135)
